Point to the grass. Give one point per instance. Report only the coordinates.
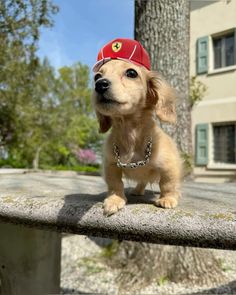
(79, 168)
(91, 265)
(224, 266)
(110, 249)
(162, 281)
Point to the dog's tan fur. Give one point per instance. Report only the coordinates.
(133, 122)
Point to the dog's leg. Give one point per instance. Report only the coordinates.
(139, 189)
(115, 199)
(170, 189)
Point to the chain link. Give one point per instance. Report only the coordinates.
(148, 152)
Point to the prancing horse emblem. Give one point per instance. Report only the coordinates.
(116, 46)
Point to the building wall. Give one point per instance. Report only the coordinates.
(210, 18)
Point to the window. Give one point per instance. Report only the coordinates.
(215, 52)
(224, 137)
(224, 51)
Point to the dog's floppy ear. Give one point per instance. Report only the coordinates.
(104, 122)
(162, 96)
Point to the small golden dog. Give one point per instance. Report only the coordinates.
(127, 98)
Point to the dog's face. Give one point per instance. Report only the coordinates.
(120, 88)
(123, 88)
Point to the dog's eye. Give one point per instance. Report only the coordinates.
(97, 76)
(131, 73)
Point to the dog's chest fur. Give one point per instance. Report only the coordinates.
(146, 174)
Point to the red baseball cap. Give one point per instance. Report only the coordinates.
(125, 49)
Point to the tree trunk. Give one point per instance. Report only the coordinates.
(163, 28)
(142, 263)
(35, 163)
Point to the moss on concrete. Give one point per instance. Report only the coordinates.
(181, 213)
(225, 216)
(8, 199)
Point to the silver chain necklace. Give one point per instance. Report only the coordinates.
(148, 152)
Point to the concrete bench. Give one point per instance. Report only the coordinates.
(35, 208)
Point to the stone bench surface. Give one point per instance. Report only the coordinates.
(205, 217)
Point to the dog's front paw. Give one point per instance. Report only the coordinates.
(113, 204)
(166, 202)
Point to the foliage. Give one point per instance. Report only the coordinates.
(20, 22)
(224, 266)
(91, 265)
(162, 281)
(44, 116)
(110, 250)
(56, 121)
(86, 156)
(22, 19)
(187, 163)
(197, 91)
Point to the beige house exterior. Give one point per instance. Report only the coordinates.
(213, 61)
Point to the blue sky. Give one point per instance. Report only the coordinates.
(82, 27)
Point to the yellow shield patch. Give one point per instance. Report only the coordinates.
(116, 46)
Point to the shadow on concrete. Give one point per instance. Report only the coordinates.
(148, 198)
(69, 291)
(76, 206)
(226, 289)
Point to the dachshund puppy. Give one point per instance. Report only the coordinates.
(128, 97)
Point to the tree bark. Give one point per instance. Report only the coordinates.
(142, 263)
(35, 163)
(163, 29)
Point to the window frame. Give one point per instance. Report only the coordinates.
(211, 163)
(210, 54)
(223, 50)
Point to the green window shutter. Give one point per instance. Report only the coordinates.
(202, 55)
(201, 144)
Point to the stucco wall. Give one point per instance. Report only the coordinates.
(209, 18)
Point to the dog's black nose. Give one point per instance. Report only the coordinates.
(102, 85)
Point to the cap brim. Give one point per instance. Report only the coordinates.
(101, 62)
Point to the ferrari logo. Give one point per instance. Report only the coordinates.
(116, 46)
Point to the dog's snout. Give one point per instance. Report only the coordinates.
(102, 85)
